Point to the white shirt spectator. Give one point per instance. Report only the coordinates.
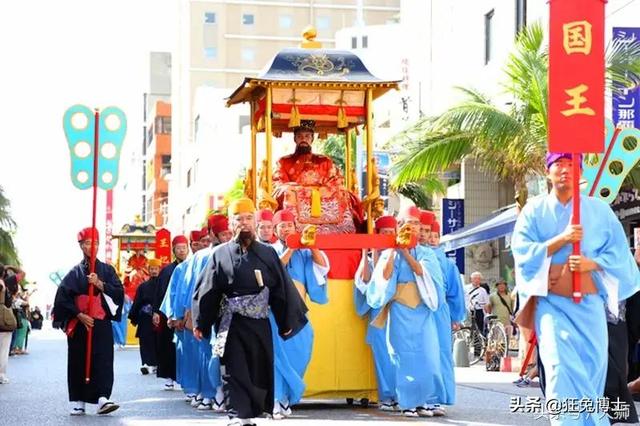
(478, 298)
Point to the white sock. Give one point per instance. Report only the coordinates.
(102, 400)
(77, 404)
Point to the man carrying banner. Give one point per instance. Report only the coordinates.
(571, 336)
(70, 312)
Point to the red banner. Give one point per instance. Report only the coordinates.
(576, 76)
(163, 246)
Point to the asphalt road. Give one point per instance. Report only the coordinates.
(37, 395)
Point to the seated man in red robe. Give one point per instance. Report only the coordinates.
(136, 273)
(312, 187)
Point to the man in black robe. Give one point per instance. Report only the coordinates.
(71, 313)
(141, 316)
(243, 280)
(165, 347)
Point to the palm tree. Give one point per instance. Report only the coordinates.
(8, 252)
(509, 142)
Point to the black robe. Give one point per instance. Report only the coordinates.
(165, 348)
(75, 283)
(248, 357)
(141, 316)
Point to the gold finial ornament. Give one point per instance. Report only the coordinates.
(309, 33)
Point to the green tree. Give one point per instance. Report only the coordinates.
(8, 251)
(509, 141)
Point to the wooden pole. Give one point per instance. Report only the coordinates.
(92, 263)
(369, 138)
(254, 170)
(269, 135)
(347, 159)
(575, 220)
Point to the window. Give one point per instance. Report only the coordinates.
(150, 135)
(285, 21)
(521, 15)
(166, 165)
(354, 42)
(163, 125)
(248, 54)
(247, 19)
(488, 22)
(211, 52)
(209, 18)
(365, 42)
(323, 23)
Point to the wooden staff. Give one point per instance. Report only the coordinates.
(575, 220)
(92, 264)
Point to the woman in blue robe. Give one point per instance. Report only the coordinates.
(308, 270)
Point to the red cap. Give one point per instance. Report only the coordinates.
(204, 232)
(435, 226)
(411, 211)
(179, 239)
(218, 223)
(264, 215)
(87, 234)
(195, 235)
(386, 222)
(427, 217)
(283, 216)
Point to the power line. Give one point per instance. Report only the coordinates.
(620, 8)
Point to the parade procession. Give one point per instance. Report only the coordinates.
(347, 211)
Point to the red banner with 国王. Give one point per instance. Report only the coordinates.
(576, 76)
(163, 246)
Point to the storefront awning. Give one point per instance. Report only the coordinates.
(491, 227)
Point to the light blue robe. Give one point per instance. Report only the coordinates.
(173, 310)
(377, 340)
(120, 327)
(415, 352)
(292, 356)
(572, 337)
(206, 379)
(450, 309)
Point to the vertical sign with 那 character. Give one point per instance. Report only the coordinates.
(626, 105)
(452, 220)
(163, 246)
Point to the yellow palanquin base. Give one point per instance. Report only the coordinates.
(341, 363)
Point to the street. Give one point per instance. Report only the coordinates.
(37, 395)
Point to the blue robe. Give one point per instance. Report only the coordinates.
(572, 337)
(292, 356)
(450, 309)
(377, 339)
(174, 309)
(415, 353)
(120, 327)
(206, 382)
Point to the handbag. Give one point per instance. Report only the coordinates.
(8, 320)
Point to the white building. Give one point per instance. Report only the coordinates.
(440, 45)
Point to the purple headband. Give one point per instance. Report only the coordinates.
(552, 157)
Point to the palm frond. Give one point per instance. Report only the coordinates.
(428, 156)
(622, 65)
